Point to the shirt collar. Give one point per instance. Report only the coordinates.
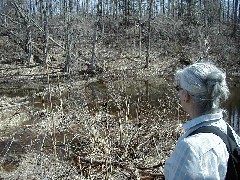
(208, 118)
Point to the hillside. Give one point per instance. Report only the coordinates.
(119, 120)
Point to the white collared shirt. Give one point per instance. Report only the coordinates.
(200, 156)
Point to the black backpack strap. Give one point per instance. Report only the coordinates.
(232, 147)
(230, 134)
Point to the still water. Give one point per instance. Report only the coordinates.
(147, 94)
(233, 108)
(155, 93)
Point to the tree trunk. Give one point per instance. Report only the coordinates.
(30, 7)
(163, 6)
(182, 10)
(46, 34)
(93, 59)
(189, 7)
(70, 4)
(239, 13)
(169, 7)
(51, 8)
(92, 66)
(100, 16)
(140, 27)
(63, 9)
(41, 11)
(68, 41)
(29, 45)
(223, 10)
(173, 8)
(149, 33)
(228, 10)
(116, 9)
(125, 12)
(235, 18)
(35, 7)
(78, 7)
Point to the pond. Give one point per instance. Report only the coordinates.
(127, 95)
(137, 102)
(151, 94)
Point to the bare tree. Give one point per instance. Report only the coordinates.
(50, 7)
(235, 18)
(29, 44)
(46, 33)
(140, 26)
(100, 13)
(115, 14)
(169, 7)
(41, 12)
(92, 66)
(25, 42)
(68, 39)
(162, 6)
(149, 33)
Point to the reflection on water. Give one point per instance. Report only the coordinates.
(132, 97)
(155, 94)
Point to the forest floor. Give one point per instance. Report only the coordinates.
(120, 123)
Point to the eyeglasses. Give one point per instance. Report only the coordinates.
(178, 88)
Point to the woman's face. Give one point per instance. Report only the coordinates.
(181, 95)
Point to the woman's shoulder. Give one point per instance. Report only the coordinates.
(202, 143)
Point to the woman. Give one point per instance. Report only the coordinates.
(202, 89)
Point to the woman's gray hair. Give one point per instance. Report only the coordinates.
(205, 83)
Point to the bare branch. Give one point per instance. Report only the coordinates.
(143, 171)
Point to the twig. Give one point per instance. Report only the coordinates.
(127, 167)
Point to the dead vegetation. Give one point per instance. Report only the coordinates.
(120, 122)
(89, 135)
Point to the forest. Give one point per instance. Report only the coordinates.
(87, 86)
